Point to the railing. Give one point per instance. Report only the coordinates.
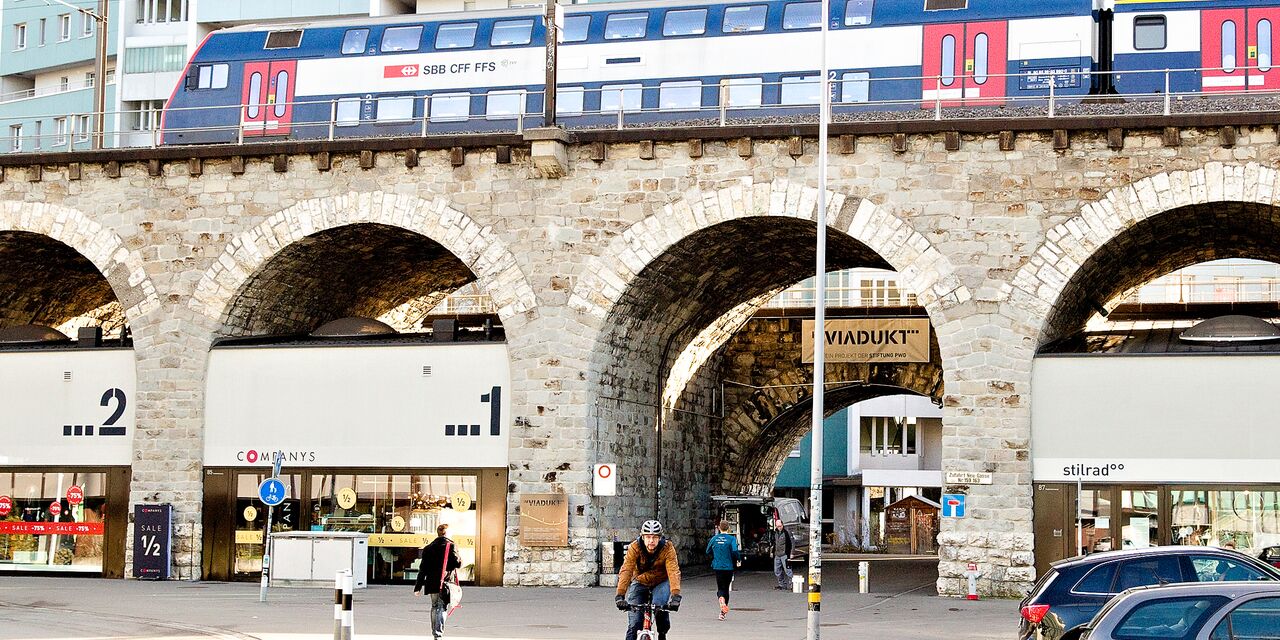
(1258, 289)
(842, 297)
(27, 94)
(1059, 94)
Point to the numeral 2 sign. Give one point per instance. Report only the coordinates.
(108, 397)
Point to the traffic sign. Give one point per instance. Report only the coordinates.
(75, 495)
(6, 505)
(953, 505)
(55, 508)
(271, 492)
(605, 479)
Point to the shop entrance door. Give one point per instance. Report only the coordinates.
(250, 517)
(1051, 503)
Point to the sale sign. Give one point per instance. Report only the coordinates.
(75, 495)
(6, 505)
(52, 528)
(55, 508)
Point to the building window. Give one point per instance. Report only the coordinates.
(155, 59)
(64, 27)
(86, 25)
(64, 84)
(1149, 32)
(90, 78)
(153, 11)
(40, 36)
(39, 134)
(83, 127)
(146, 117)
(885, 436)
(20, 36)
(59, 131)
(15, 137)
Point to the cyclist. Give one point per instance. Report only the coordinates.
(650, 572)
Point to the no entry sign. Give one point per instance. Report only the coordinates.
(75, 495)
(604, 479)
(55, 508)
(6, 505)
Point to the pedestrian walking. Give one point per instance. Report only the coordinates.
(780, 544)
(723, 549)
(438, 561)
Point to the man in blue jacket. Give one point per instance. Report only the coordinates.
(723, 548)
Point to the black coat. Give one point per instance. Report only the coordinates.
(432, 557)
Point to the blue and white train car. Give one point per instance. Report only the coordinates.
(654, 61)
(1225, 45)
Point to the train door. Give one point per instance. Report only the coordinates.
(268, 97)
(964, 64)
(1237, 49)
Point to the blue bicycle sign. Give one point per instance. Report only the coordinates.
(271, 492)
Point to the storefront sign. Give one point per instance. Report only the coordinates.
(67, 408)
(75, 495)
(461, 501)
(879, 340)
(1155, 470)
(152, 538)
(415, 540)
(6, 505)
(52, 528)
(397, 523)
(250, 513)
(346, 497)
(544, 520)
(249, 537)
(968, 477)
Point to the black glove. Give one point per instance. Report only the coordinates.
(620, 602)
(674, 603)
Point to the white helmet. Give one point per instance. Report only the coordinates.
(651, 527)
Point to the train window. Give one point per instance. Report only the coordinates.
(254, 95)
(802, 15)
(1228, 46)
(450, 107)
(511, 32)
(620, 96)
(402, 39)
(347, 113)
(208, 76)
(801, 90)
(682, 95)
(1149, 32)
(353, 40)
(948, 60)
(396, 108)
(282, 93)
(742, 92)
(284, 39)
(745, 18)
(502, 105)
(943, 5)
(569, 100)
(456, 36)
(857, 12)
(622, 26)
(575, 29)
(686, 22)
(855, 86)
(1264, 45)
(980, 64)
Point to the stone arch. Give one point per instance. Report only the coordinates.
(1049, 284)
(474, 244)
(121, 267)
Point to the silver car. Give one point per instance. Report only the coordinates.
(1195, 611)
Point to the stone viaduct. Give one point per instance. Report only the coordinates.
(622, 264)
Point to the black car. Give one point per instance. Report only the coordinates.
(1068, 595)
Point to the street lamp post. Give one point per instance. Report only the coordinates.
(819, 347)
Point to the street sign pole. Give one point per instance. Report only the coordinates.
(266, 535)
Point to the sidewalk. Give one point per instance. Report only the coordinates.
(60, 608)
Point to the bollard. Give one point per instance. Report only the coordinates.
(337, 606)
(864, 576)
(972, 574)
(348, 614)
(797, 584)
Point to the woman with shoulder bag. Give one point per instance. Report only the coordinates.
(435, 577)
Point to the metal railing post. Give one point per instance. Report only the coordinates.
(724, 104)
(937, 98)
(524, 99)
(1167, 106)
(71, 129)
(333, 117)
(621, 110)
(426, 114)
(1052, 95)
(155, 136)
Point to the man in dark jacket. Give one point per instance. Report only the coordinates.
(433, 570)
(780, 545)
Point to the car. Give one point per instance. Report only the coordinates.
(1068, 595)
(751, 517)
(1271, 556)
(1200, 611)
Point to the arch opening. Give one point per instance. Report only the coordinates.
(47, 282)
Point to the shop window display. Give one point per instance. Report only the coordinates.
(52, 521)
(1247, 520)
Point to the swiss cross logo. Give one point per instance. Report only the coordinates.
(400, 71)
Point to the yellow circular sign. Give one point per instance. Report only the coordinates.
(461, 501)
(250, 513)
(346, 498)
(397, 523)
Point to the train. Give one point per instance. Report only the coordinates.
(672, 62)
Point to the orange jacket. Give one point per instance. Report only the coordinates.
(648, 569)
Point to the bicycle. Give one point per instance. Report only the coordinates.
(647, 632)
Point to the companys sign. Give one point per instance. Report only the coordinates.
(152, 540)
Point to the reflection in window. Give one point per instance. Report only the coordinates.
(1228, 46)
(802, 15)
(348, 112)
(575, 28)
(681, 95)
(1264, 45)
(450, 107)
(743, 92)
(354, 40)
(502, 105)
(456, 36)
(801, 90)
(980, 58)
(569, 100)
(1167, 618)
(1258, 619)
(1149, 32)
(744, 19)
(395, 109)
(685, 22)
(622, 26)
(855, 86)
(857, 12)
(401, 39)
(620, 96)
(948, 60)
(510, 32)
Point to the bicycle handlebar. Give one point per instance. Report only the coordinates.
(649, 607)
